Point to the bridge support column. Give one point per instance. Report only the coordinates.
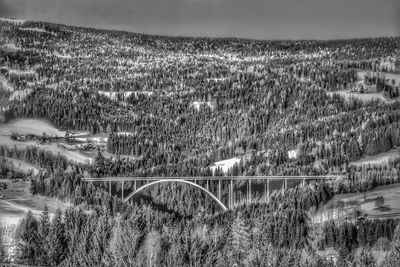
(207, 186)
(219, 189)
(231, 194)
(304, 182)
(122, 191)
(134, 185)
(109, 188)
(249, 192)
(266, 191)
(286, 184)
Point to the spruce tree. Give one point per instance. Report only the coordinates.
(43, 232)
(363, 258)
(57, 243)
(239, 240)
(28, 244)
(3, 254)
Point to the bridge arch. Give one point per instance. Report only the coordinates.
(177, 181)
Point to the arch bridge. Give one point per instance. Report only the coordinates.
(203, 184)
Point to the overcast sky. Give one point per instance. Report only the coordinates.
(259, 19)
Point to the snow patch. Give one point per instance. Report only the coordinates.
(35, 29)
(13, 21)
(197, 104)
(225, 165)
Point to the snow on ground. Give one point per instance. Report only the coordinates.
(30, 126)
(371, 89)
(35, 29)
(363, 97)
(225, 164)
(217, 79)
(381, 158)
(389, 76)
(125, 133)
(10, 47)
(65, 56)
(364, 202)
(22, 72)
(21, 165)
(5, 85)
(37, 127)
(13, 21)
(20, 95)
(197, 104)
(18, 200)
(98, 139)
(113, 95)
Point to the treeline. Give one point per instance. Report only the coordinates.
(346, 236)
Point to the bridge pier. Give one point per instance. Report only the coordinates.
(286, 184)
(207, 185)
(231, 194)
(109, 187)
(134, 185)
(266, 191)
(122, 190)
(219, 189)
(249, 192)
(304, 182)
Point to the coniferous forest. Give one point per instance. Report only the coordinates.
(174, 107)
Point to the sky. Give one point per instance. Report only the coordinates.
(256, 19)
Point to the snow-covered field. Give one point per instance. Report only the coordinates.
(18, 201)
(37, 127)
(390, 194)
(39, 30)
(113, 95)
(13, 21)
(381, 158)
(22, 166)
(5, 85)
(197, 104)
(15, 204)
(364, 97)
(225, 165)
(10, 47)
(372, 93)
(389, 76)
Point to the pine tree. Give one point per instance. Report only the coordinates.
(3, 254)
(239, 240)
(57, 244)
(27, 240)
(363, 258)
(43, 232)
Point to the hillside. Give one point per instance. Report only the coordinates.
(78, 102)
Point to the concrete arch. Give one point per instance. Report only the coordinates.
(177, 181)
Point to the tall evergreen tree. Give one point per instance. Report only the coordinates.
(57, 243)
(28, 245)
(239, 240)
(43, 232)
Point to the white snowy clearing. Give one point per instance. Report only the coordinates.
(113, 95)
(381, 158)
(226, 164)
(10, 47)
(37, 127)
(13, 21)
(197, 104)
(36, 30)
(21, 165)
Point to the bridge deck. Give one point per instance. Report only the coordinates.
(209, 178)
